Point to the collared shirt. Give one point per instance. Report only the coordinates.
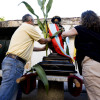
(22, 41)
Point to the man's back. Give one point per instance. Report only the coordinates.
(22, 41)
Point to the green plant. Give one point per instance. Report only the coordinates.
(2, 19)
(41, 73)
(45, 10)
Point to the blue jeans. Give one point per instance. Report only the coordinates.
(11, 70)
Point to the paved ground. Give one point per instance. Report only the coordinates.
(83, 96)
(67, 95)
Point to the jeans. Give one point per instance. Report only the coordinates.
(11, 70)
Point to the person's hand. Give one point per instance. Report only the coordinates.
(0, 45)
(49, 39)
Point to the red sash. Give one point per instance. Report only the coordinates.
(57, 40)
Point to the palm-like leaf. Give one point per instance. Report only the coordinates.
(41, 73)
(41, 26)
(67, 50)
(41, 4)
(29, 8)
(44, 29)
(55, 34)
(42, 76)
(48, 7)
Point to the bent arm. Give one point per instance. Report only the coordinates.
(44, 41)
(39, 49)
(71, 32)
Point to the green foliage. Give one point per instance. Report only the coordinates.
(41, 74)
(45, 11)
(56, 34)
(48, 7)
(29, 8)
(41, 3)
(2, 19)
(43, 27)
(67, 50)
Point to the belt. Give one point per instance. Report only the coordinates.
(16, 57)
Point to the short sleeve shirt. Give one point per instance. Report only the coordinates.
(87, 43)
(22, 41)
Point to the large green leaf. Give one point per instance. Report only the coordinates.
(67, 50)
(55, 34)
(42, 76)
(29, 8)
(41, 26)
(46, 27)
(44, 33)
(41, 4)
(43, 1)
(48, 7)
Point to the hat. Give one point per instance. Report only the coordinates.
(73, 90)
(29, 84)
(55, 17)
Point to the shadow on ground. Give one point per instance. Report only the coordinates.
(67, 95)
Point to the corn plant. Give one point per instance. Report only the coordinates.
(2, 19)
(45, 10)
